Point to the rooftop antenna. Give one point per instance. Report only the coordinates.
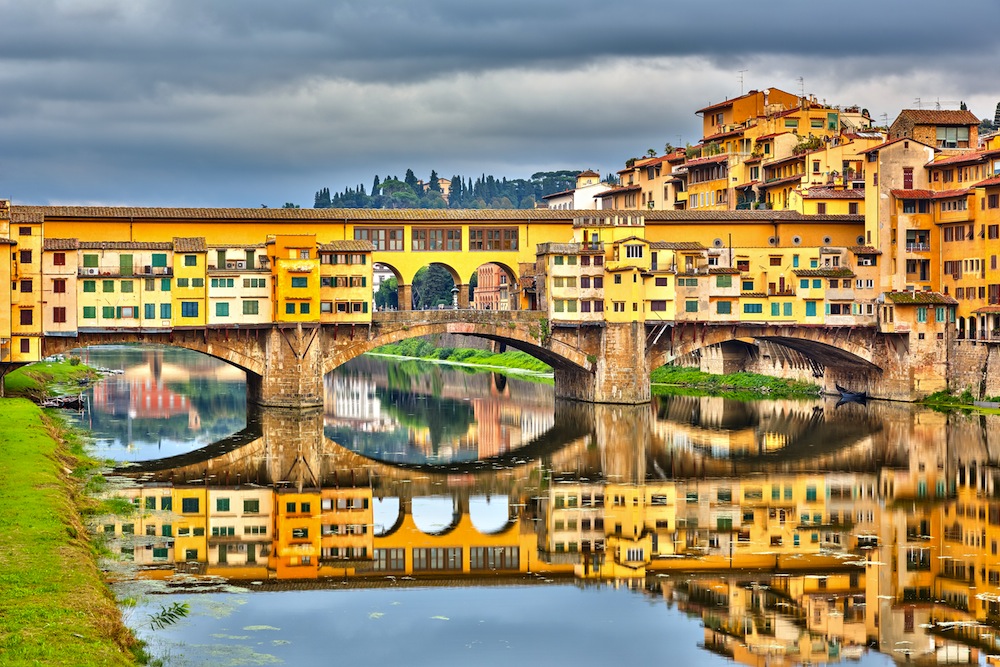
(939, 102)
(740, 72)
(917, 102)
(802, 87)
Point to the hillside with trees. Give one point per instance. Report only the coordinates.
(481, 193)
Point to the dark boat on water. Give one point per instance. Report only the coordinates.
(848, 396)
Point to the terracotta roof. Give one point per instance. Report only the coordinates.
(347, 246)
(588, 172)
(839, 272)
(713, 270)
(744, 215)
(765, 137)
(993, 180)
(124, 245)
(987, 309)
(676, 245)
(864, 250)
(895, 141)
(727, 103)
(614, 191)
(753, 295)
(707, 160)
(562, 193)
(964, 158)
(60, 244)
(6, 241)
(800, 157)
(912, 194)
(19, 214)
(748, 184)
(947, 194)
(920, 298)
(779, 181)
(721, 135)
(235, 246)
(832, 193)
(938, 117)
(192, 244)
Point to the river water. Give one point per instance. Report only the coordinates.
(434, 515)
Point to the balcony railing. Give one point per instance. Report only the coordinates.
(124, 271)
(918, 247)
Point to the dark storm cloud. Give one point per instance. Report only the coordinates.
(256, 101)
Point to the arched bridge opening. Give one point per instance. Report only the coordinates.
(828, 356)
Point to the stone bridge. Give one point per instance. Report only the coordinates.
(606, 363)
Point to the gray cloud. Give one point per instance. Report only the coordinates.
(251, 101)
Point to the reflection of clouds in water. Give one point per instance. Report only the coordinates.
(489, 513)
(385, 511)
(433, 514)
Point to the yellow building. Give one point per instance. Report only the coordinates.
(239, 285)
(189, 303)
(295, 271)
(26, 288)
(345, 281)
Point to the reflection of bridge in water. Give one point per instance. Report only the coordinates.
(831, 545)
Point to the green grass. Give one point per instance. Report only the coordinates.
(421, 349)
(47, 378)
(54, 606)
(737, 385)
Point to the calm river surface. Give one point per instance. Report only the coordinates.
(433, 515)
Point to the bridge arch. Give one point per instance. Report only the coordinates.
(556, 353)
(236, 347)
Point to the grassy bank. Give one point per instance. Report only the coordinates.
(54, 606)
(945, 401)
(48, 378)
(738, 385)
(420, 349)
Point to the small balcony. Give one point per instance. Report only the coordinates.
(918, 247)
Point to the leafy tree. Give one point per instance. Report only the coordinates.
(432, 287)
(322, 198)
(387, 295)
(651, 152)
(289, 204)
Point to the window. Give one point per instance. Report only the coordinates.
(300, 282)
(633, 251)
(724, 307)
(165, 311)
(723, 280)
(852, 208)
(250, 307)
(810, 309)
(304, 308)
(251, 507)
(149, 311)
(59, 259)
(222, 310)
(907, 178)
(189, 309)
(691, 306)
(189, 505)
(108, 312)
(821, 208)
(25, 256)
(493, 239)
(90, 312)
(59, 314)
(381, 238)
(747, 286)
(127, 287)
(107, 286)
(753, 308)
(165, 284)
(289, 309)
(183, 282)
(26, 285)
(27, 316)
(197, 282)
(89, 285)
(190, 260)
(222, 504)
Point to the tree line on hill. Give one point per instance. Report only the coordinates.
(481, 193)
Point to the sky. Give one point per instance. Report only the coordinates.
(262, 102)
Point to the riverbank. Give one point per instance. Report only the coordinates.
(418, 348)
(746, 386)
(57, 609)
(48, 378)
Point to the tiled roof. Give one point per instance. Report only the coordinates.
(895, 141)
(833, 193)
(987, 309)
(864, 250)
(191, 244)
(124, 245)
(588, 172)
(697, 162)
(676, 245)
(947, 194)
(912, 194)
(800, 157)
(920, 298)
(235, 246)
(563, 193)
(722, 135)
(781, 181)
(347, 246)
(965, 158)
(938, 117)
(622, 189)
(748, 184)
(19, 214)
(840, 272)
(765, 137)
(744, 215)
(727, 103)
(7, 241)
(60, 244)
(994, 180)
(713, 270)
